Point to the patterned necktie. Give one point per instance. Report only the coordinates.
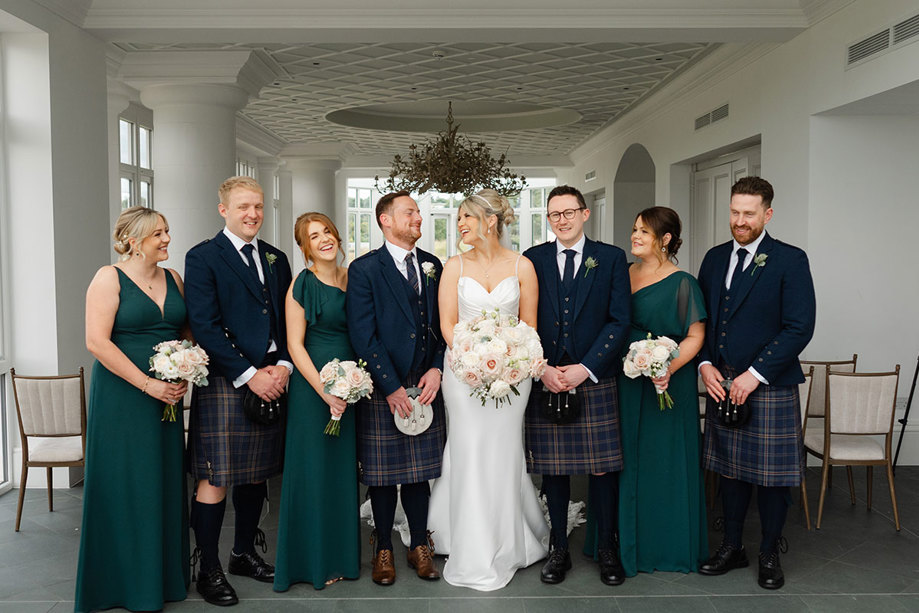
(411, 273)
(247, 251)
(738, 270)
(568, 277)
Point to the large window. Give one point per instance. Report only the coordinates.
(361, 218)
(135, 146)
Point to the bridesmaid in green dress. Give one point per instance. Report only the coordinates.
(661, 500)
(134, 540)
(319, 524)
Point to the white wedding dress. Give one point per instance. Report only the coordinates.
(484, 513)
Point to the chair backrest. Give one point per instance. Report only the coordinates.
(804, 394)
(861, 403)
(50, 406)
(818, 387)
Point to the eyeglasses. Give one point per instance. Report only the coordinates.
(555, 216)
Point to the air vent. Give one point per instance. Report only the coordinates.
(712, 116)
(703, 121)
(720, 113)
(868, 47)
(590, 176)
(906, 29)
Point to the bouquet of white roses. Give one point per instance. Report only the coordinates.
(347, 380)
(651, 357)
(493, 353)
(179, 361)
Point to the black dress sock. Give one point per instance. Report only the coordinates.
(773, 508)
(206, 520)
(735, 498)
(415, 497)
(247, 502)
(558, 491)
(604, 494)
(383, 500)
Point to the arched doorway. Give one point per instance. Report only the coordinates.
(633, 191)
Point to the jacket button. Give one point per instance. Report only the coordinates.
(720, 346)
(599, 355)
(606, 346)
(556, 324)
(567, 298)
(384, 376)
(566, 311)
(412, 335)
(724, 334)
(378, 367)
(374, 355)
(264, 311)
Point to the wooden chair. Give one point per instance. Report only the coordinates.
(818, 399)
(804, 394)
(859, 406)
(52, 411)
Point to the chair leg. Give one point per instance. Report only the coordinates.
(807, 513)
(829, 480)
(50, 489)
(22, 493)
(823, 485)
(893, 495)
(870, 483)
(851, 485)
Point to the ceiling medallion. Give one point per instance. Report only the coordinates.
(451, 164)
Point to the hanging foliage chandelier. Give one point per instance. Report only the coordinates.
(451, 164)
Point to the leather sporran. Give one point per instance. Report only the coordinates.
(264, 412)
(731, 415)
(561, 408)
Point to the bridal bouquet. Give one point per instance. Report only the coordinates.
(493, 353)
(176, 361)
(651, 358)
(347, 380)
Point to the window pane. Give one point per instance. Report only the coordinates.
(144, 148)
(365, 232)
(364, 196)
(352, 233)
(514, 234)
(440, 237)
(145, 194)
(126, 141)
(352, 197)
(538, 228)
(127, 199)
(438, 199)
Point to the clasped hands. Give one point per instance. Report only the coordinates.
(559, 379)
(743, 385)
(269, 382)
(429, 384)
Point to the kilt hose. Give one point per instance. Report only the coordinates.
(588, 445)
(388, 457)
(226, 448)
(768, 450)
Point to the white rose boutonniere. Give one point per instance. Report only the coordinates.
(759, 260)
(589, 264)
(430, 273)
(271, 259)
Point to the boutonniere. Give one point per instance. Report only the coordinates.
(271, 259)
(430, 273)
(589, 264)
(759, 260)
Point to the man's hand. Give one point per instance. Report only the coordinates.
(429, 385)
(573, 375)
(399, 401)
(264, 385)
(742, 387)
(280, 374)
(712, 380)
(553, 380)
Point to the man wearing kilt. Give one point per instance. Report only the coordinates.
(394, 327)
(582, 321)
(234, 291)
(760, 297)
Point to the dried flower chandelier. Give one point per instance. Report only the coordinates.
(451, 164)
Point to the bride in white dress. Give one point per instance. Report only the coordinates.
(484, 513)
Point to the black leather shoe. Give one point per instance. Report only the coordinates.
(771, 576)
(726, 558)
(559, 562)
(215, 588)
(611, 571)
(250, 564)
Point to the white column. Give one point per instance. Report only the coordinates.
(194, 151)
(313, 189)
(286, 242)
(267, 167)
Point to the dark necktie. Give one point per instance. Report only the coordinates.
(568, 276)
(411, 273)
(738, 270)
(247, 251)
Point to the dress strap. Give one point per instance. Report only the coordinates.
(517, 264)
(461, 264)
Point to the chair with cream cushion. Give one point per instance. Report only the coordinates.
(52, 425)
(858, 408)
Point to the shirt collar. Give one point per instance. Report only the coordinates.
(398, 253)
(239, 243)
(578, 246)
(751, 248)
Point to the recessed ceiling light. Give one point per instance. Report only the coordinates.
(625, 88)
(658, 59)
(315, 63)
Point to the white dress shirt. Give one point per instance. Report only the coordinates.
(560, 259)
(398, 255)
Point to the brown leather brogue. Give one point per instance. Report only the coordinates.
(421, 559)
(384, 569)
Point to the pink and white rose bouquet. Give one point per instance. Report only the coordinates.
(179, 361)
(493, 354)
(348, 380)
(651, 357)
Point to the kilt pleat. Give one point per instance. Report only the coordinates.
(226, 448)
(388, 457)
(588, 445)
(768, 450)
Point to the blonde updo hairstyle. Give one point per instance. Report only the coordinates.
(485, 203)
(137, 223)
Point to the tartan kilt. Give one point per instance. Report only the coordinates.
(388, 457)
(768, 450)
(588, 445)
(226, 448)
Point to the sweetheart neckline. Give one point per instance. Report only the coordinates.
(496, 285)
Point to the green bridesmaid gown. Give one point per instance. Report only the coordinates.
(134, 540)
(319, 523)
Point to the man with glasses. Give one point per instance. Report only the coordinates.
(572, 421)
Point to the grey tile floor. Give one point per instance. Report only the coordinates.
(856, 562)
